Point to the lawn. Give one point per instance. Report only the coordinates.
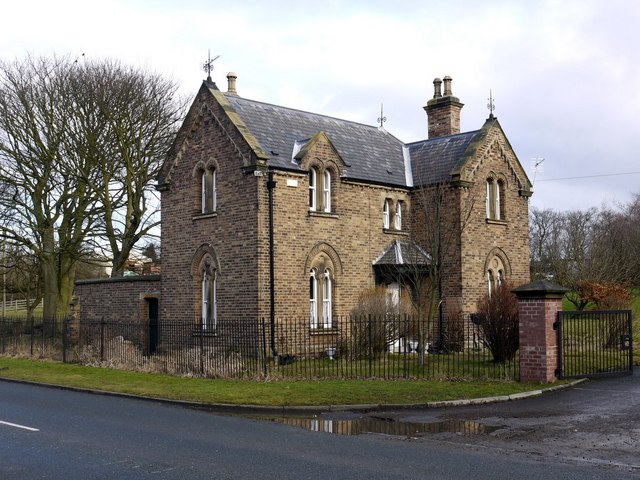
(239, 392)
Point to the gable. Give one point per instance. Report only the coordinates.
(213, 105)
(491, 138)
(318, 146)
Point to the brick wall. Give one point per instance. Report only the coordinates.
(231, 232)
(125, 298)
(351, 236)
(481, 238)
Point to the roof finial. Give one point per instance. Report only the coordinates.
(382, 118)
(491, 106)
(208, 65)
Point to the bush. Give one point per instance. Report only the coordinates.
(606, 295)
(497, 320)
(375, 324)
(454, 329)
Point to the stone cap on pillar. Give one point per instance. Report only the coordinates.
(540, 289)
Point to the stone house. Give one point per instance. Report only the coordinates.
(269, 211)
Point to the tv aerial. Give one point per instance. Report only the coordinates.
(536, 166)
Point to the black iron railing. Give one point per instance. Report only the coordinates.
(594, 343)
(391, 346)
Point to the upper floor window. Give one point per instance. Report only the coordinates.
(313, 180)
(208, 190)
(495, 199)
(397, 219)
(319, 190)
(386, 213)
(326, 191)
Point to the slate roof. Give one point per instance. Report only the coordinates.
(403, 252)
(432, 161)
(370, 154)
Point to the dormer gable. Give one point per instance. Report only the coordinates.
(319, 148)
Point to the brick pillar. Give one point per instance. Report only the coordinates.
(73, 321)
(538, 305)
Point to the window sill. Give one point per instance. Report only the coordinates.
(493, 221)
(206, 333)
(393, 231)
(314, 213)
(324, 331)
(201, 216)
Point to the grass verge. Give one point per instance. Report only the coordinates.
(276, 393)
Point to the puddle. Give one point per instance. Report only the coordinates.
(385, 426)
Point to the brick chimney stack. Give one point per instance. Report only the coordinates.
(231, 83)
(443, 110)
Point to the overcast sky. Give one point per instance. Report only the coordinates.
(565, 75)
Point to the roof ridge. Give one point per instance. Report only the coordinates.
(470, 132)
(306, 112)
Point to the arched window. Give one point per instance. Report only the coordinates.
(385, 214)
(208, 195)
(320, 299)
(397, 219)
(209, 311)
(495, 199)
(327, 307)
(326, 190)
(313, 298)
(500, 212)
(319, 190)
(495, 274)
(490, 198)
(490, 281)
(313, 180)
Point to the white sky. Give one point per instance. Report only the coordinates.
(565, 74)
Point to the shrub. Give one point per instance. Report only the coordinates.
(606, 295)
(454, 329)
(376, 324)
(497, 320)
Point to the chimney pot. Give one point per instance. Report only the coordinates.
(231, 83)
(447, 86)
(443, 111)
(437, 88)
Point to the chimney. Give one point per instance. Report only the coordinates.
(231, 83)
(443, 110)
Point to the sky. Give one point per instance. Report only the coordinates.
(564, 75)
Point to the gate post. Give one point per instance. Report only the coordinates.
(538, 306)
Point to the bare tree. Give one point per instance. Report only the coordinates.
(594, 245)
(440, 214)
(79, 147)
(45, 171)
(545, 238)
(143, 114)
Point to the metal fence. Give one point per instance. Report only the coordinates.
(594, 343)
(32, 337)
(389, 347)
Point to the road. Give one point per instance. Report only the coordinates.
(86, 436)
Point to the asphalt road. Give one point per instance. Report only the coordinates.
(86, 436)
(595, 424)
